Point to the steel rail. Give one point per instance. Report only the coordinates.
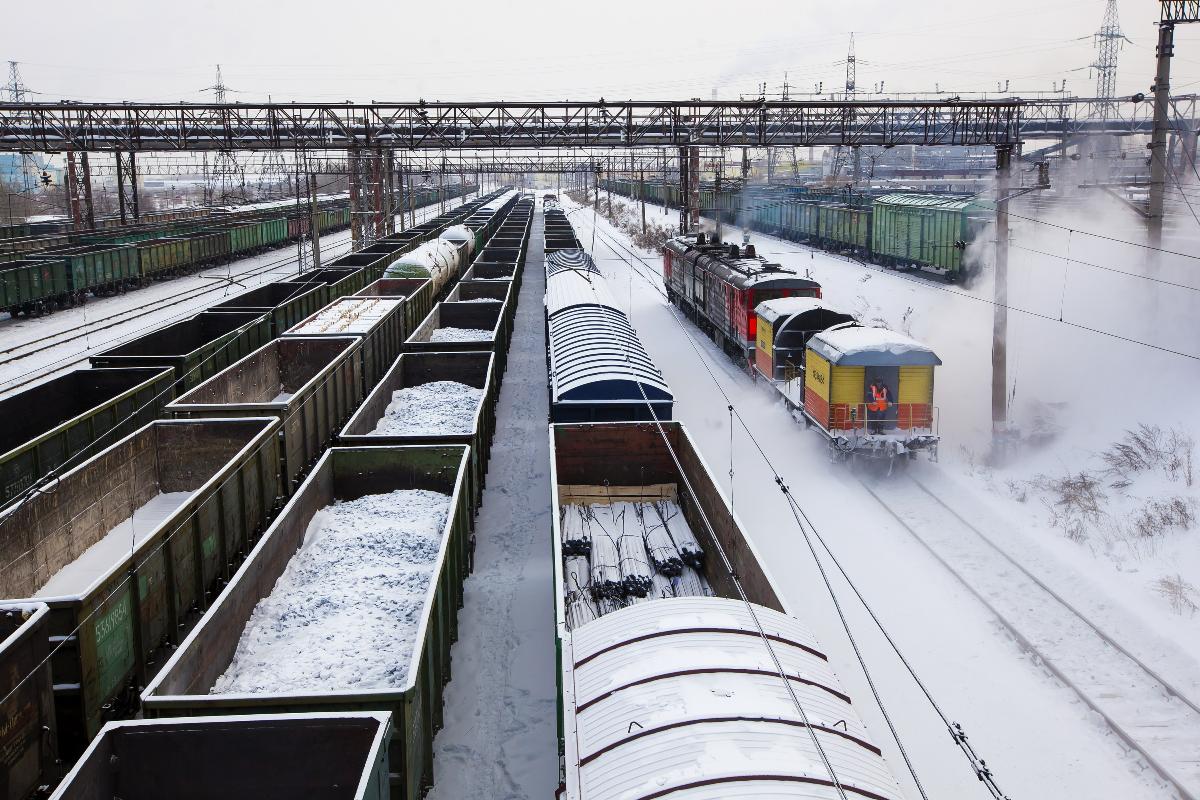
(1025, 643)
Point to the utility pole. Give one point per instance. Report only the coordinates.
(127, 193)
(79, 192)
(355, 169)
(315, 220)
(1000, 297)
(716, 196)
(1173, 11)
(642, 196)
(745, 182)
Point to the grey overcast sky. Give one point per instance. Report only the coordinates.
(167, 50)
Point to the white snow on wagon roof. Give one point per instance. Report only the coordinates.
(713, 717)
(856, 346)
(771, 310)
(595, 354)
(568, 288)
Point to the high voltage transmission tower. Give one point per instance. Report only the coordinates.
(1109, 40)
(228, 178)
(18, 92)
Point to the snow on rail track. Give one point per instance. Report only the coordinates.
(1153, 718)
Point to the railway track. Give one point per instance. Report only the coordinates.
(1149, 715)
(1152, 719)
(27, 349)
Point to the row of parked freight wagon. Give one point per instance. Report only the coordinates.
(134, 529)
(44, 272)
(681, 669)
(904, 230)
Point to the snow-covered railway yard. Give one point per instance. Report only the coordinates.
(1038, 736)
(1061, 664)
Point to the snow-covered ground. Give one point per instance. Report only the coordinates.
(204, 289)
(1036, 736)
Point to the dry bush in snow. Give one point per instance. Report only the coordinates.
(1181, 595)
(1149, 447)
(1156, 517)
(1076, 500)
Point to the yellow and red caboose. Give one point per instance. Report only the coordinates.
(870, 390)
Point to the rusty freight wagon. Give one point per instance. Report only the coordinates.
(649, 618)
(377, 321)
(333, 282)
(83, 411)
(417, 294)
(457, 327)
(488, 292)
(196, 348)
(310, 756)
(312, 385)
(447, 377)
(287, 302)
(28, 735)
(127, 549)
(193, 683)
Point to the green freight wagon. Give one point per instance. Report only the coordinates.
(845, 227)
(415, 369)
(196, 348)
(925, 231)
(28, 733)
(287, 302)
(34, 286)
(490, 317)
(501, 292)
(98, 268)
(183, 687)
(378, 322)
(80, 412)
(417, 294)
(114, 612)
(311, 756)
(313, 385)
(210, 246)
(164, 257)
(334, 283)
(374, 259)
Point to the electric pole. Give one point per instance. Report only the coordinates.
(1173, 11)
(1000, 297)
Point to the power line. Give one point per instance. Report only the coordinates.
(979, 766)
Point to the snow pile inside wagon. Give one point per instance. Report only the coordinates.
(345, 612)
(438, 408)
(460, 335)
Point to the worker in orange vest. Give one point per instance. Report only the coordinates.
(880, 397)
